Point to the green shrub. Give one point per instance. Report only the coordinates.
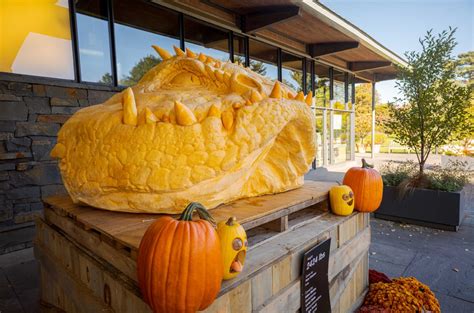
(451, 178)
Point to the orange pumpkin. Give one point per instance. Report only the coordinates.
(367, 185)
(180, 263)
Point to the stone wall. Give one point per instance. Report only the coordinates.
(31, 112)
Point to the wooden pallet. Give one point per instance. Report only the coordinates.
(90, 253)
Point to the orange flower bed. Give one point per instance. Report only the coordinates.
(421, 291)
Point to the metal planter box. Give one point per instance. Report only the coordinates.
(432, 208)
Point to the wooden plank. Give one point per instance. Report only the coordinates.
(281, 274)
(67, 284)
(348, 252)
(287, 300)
(262, 287)
(278, 225)
(128, 228)
(347, 230)
(94, 243)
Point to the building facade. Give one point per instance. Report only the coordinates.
(57, 56)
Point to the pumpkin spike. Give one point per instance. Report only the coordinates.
(130, 114)
(255, 96)
(228, 119)
(179, 52)
(299, 96)
(202, 57)
(214, 111)
(309, 98)
(164, 54)
(190, 53)
(276, 91)
(184, 116)
(150, 117)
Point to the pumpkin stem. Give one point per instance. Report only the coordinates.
(366, 165)
(231, 221)
(187, 214)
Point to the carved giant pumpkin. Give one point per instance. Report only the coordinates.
(192, 128)
(233, 246)
(367, 185)
(179, 263)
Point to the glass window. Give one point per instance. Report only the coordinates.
(93, 41)
(341, 144)
(321, 77)
(138, 25)
(339, 90)
(308, 76)
(239, 49)
(204, 38)
(292, 70)
(349, 93)
(35, 38)
(263, 59)
(319, 136)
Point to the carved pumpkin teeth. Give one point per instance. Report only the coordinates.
(165, 118)
(179, 52)
(164, 54)
(190, 54)
(237, 105)
(290, 95)
(202, 57)
(210, 71)
(219, 75)
(300, 96)
(248, 102)
(150, 117)
(214, 111)
(58, 151)
(276, 91)
(309, 98)
(255, 96)
(228, 119)
(184, 116)
(129, 108)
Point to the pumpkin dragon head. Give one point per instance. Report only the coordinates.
(193, 129)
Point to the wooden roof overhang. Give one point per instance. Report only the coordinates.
(301, 26)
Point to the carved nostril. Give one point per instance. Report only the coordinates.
(241, 83)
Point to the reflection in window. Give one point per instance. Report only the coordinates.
(239, 49)
(321, 77)
(93, 40)
(35, 39)
(339, 90)
(341, 144)
(263, 59)
(206, 39)
(319, 137)
(138, 25)
(308, 76)
(292, 70)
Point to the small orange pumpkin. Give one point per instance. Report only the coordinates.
(367, 185)
(180, 263)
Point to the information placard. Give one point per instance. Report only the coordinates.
(314, 279)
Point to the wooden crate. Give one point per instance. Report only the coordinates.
(88, 256)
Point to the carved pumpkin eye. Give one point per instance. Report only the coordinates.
(246, 243)
(351, 195)
(345, 197)
(237, 244)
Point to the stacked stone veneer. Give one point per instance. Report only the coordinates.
(31, 113)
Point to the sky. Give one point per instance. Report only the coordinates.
(398, 24)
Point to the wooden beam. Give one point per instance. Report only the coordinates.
(262, 17)
(367, 65)
(380, 77)
(327, 48)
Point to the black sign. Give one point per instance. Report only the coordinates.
(314, 280)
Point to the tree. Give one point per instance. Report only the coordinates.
(106, 79)
(433, 104)
(465, 68)
(382, 115)
(255, 66)
(465, 72)
(143, 66)
(363, 113)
